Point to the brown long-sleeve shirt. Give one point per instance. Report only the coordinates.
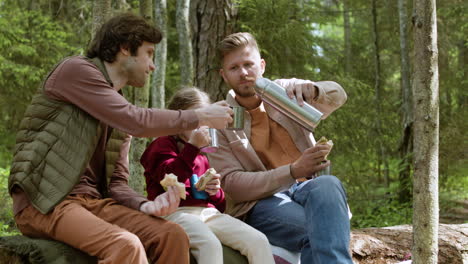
(79, 82)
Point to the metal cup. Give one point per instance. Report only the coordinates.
(237, 119)
(213, 146)
(325, 171)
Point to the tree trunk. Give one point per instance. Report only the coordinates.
(393, 244)
(101, 12)
(211, 21)
(347, 36)
(462, 46)
(146, 9)
(381, 152)
(426, 133)
(185, 43)
(160, 57)
(406, 147)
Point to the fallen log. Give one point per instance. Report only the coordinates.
(387, 245)
(383, 245)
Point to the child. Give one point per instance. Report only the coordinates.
(202, 219)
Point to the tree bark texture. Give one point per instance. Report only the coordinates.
(146, 9)
(211, 21)
(386, 245)
(101, 12)
(185, 43)
(406, 147)
(158, 96)
(426, 133)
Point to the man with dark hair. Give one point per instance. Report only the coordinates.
(69, 176)
(268, 169)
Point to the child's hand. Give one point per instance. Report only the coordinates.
(213, 186)
(200, 137)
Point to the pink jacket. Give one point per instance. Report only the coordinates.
(244, 178)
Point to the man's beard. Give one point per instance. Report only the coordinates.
(244, 90)
(249, 92)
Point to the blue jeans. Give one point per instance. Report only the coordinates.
(311, 217)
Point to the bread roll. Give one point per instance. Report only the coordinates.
(171, 180)
(205, 178)
(325, 141)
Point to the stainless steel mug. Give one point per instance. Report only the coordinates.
(237, 119)
(275, 95)
(326, 171)
(213, 146)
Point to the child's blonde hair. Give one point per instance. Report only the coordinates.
(188, 97)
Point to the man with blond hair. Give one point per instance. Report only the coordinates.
(262, 165)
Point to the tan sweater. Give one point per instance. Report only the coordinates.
(270, 140)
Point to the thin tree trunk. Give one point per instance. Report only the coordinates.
(381, 152)
(426, 133)
(406, 146)
(462, 46)
(185, 43)
(347, 36)
(141, 99)
(160, 57)
(101, 12)
(211, 21)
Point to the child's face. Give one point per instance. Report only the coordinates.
(186, 134)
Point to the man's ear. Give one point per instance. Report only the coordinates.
(262, 65)
(221, 72)
(125, 50)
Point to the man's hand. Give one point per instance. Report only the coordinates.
(164, 204)
(216, 115)
(310, 161)
(303, 90)
(213, 186)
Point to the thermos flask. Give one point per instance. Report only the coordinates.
(275, 95)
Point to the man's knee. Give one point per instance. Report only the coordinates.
(329, 183)
(127, 243)
(326, 188)
(176, 235)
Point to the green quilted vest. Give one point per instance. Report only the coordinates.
(55, 142)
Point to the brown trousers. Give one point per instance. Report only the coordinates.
(112, 232)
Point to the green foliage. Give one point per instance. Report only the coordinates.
(7, 224)
(31, 44)
(284, 32)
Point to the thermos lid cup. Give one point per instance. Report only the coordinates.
(237, 119)
(213, 146)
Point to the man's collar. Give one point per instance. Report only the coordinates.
(231, 98)
(100, 64)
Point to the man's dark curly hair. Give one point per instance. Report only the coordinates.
(125, 30)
